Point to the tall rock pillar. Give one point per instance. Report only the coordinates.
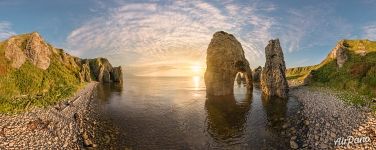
(273, 78)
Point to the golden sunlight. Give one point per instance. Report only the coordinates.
(196, 68)
(196, 81)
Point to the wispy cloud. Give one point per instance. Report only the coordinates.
(370, 31)
(5, 30)
(171, 32)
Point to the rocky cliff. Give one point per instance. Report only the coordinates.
(225, 58)
(273, 78)
(350, 66)
(33, 69)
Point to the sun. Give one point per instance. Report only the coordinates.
(196, 68)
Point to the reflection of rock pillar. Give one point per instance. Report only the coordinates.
(226, 117)
(275, 109)
(224, 59)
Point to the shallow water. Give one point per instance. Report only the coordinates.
(175, 113)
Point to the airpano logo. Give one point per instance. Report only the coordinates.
(351, 140)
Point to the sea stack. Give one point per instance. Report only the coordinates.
(256, 74)
(273, 78)
(225, 58)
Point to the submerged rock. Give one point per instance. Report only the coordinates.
(225, 58)
(273, 78)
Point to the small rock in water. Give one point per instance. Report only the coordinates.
(284, 126)
(294, 145)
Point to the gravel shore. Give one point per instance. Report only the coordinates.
(55, 127)
(329, 121)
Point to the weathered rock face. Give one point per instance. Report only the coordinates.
(117, 74)
(84, 74)
(102, 71)
(30, 47)
(225, 58)
(339, 53)
(273, 78)
(38, 51)
(256, 74)
(14, 53)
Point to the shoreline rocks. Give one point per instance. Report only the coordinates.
(273, 78)
(328, 119)
(225, 58)
(44, 128)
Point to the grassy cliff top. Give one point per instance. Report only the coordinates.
(357, 75)
(29, 86)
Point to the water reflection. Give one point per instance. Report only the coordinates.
(275, 109)
(226, 116)
(175, 113)
(196, 82)
(106, 90)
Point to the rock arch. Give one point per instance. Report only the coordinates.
(225, 58)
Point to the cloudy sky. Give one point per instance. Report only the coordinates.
(170, 37)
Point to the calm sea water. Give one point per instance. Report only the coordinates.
(176, 113)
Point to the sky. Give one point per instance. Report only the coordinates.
(170, 37)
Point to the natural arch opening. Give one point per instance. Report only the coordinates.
(225, 59)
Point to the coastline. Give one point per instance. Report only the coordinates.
(327, 119)
(55, 127)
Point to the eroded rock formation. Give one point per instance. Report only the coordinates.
(256, 74)
(103, 71)
(38, 51)
(31, 47)
(273, 78)
(339, 53)
(225, 58)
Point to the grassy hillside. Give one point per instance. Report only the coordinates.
(357, 77)
(29, 86)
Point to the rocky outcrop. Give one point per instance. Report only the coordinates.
(14, 53)
(38, 51)
(102, 71)
(256, 74)
(30, 47)
(339, 53)
(117, 74)
(225, 58)
(85, 75)
(273, 78)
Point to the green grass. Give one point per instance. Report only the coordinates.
(29, 86)
(356, 79)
